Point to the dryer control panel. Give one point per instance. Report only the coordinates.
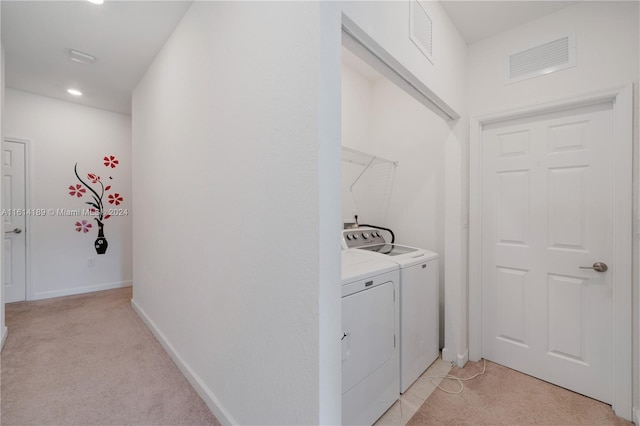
(362, 237)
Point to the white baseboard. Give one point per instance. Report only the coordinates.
(459, 359)
(5, 333)
(79, 290)
(446, 356)
(198, 384)
(462, 359)
(636, 415)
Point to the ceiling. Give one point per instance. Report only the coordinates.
(125, 36)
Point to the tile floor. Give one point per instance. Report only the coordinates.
(409, 402)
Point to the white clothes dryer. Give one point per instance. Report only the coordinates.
(370, 321)
(419, 298)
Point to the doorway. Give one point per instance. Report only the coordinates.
(551, 197)
(15, 213)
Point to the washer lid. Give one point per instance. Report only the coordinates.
(405, 256)
(358, 265)
(389, 249)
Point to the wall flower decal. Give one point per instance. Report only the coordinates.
(115, 198)
(83, 226)
(76, 190)
(96, 190)
(111, 161)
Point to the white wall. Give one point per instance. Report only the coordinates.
(406, 131)
(229, 157)
(61, 134)
(607, 56)
(607, 41)
(363, 194)
(380, 119)
(357, 103)
(388, 23)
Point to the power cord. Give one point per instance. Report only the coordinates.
(458, 379)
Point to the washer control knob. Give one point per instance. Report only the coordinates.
(348, 237)
(374, 234)
(355, 236)
(365, 235)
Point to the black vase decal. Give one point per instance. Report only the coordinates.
(101, 243)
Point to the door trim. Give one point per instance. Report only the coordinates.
(27, 205)
(622, 99)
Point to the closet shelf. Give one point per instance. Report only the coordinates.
(362, 158)
(365, 160)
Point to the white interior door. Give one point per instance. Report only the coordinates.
(547, 211)
(14, 221)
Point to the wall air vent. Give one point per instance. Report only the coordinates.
(542, 58)
(421, 29)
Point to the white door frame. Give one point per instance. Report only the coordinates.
(27, 205)
(622, 145)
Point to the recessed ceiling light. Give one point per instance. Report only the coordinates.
(74, 92)
(96, 1)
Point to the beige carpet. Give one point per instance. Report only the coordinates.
(89, 360)
(506, 397)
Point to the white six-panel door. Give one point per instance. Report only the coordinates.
(14, 221)
(547, 184)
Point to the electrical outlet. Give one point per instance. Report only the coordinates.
(92, 262)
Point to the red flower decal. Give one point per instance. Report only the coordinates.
(115, 198)
(107, 217)
(83, 226)
(93, 178)
(111, 161)
(108, 187)
(77, 190)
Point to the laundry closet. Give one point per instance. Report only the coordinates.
(402, 188)
(392, 192)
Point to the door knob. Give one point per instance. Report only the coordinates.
(15, 231)
(598, 266)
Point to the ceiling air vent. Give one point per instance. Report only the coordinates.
(543, 58)
(421, 29)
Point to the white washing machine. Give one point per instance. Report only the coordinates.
(419, 298)
(370, 322)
